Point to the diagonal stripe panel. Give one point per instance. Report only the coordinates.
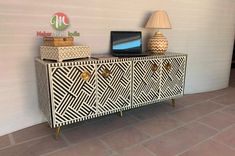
(114, 91)
(73, 97)
(146, 82)
(172, 80)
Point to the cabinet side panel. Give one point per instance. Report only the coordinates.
(43, 90)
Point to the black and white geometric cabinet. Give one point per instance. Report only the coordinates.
(73, 91)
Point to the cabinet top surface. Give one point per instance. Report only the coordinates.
(107, 57)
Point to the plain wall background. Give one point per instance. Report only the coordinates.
(203, 29)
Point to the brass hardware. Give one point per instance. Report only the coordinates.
(168, 66)
(173, 102)
(106, 73)
(154, 67)
(57, 132)
(85, 75)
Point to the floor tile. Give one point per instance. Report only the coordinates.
(210, 148)
(218, 120)
(230, 110)
(101, 127)
(137, 151)
(179, 140)
(4, 141)
(157, 125)
(226, 99)
(90, 148)
(195, 111)
(227, 137)
(32, 132)
(150, 111)
(194, 98)
(123, 138)
(34, 148)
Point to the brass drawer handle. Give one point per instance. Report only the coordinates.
(85, 75)
(154, 67)
(168, 66)
(106, 73)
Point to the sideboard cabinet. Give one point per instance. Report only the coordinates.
(78, 90)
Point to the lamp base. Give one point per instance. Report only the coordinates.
(158, 43)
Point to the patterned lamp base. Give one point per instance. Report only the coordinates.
(158, 43)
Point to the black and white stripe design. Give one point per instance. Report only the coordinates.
(114, 91)
(66, 98)
(172, 81)
(146, 83)
(72, 96)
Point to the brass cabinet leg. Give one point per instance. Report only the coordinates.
(173, 102)
(120, 113)
(57, 132)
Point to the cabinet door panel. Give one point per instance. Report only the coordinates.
(172, 78)
(114, 86)
(146, 81)
(73, 93)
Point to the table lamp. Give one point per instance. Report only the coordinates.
(158, 20)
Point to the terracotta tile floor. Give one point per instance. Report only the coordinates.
(200, 125)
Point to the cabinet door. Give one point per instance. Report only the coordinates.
(146, 81)
(73, 95)
(172, 77)
(114, 86)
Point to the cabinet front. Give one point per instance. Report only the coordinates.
(146, 81)
(73, 91)
(172, 77)
(114, 86)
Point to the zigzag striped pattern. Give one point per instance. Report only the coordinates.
(114, 91)
(73, 97)
(146, 83)
(172, 80)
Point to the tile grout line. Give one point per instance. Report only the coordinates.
(193, 146)
(116, 130)
(188, 106)
(12, 141)
(207, 139)
(183, 124)
(49, 153)
(151, 152)
(107, 146)
(217, 130)
(219, 142)
(226, 113)
(225, 105)
(23, 142)
(171, 130)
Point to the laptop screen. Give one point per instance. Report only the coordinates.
(126, 42)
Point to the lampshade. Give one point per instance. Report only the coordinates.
(159, 20)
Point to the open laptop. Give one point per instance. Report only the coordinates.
(127, 44)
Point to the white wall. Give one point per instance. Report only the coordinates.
(203, 29)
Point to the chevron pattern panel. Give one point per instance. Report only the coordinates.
(172, 77)
(73, 97)
(114, 89)
(146, 81)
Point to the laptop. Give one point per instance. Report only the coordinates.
(127, 44)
